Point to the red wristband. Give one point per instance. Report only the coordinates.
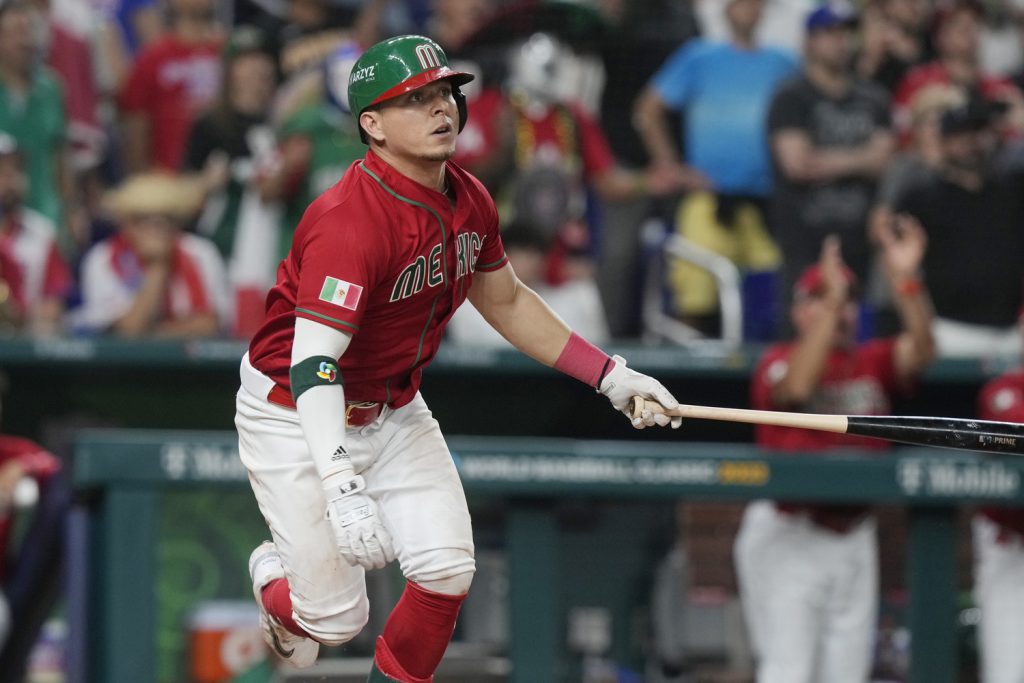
(583, 360)
(911, 287)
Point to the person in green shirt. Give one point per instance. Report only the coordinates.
(32, 112)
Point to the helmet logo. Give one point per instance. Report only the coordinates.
(427, 56)
(365, 72)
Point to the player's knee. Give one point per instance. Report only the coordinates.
(334, 626)
(446, 570)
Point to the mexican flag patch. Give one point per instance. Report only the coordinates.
(341, 293)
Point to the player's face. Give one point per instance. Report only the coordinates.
(422, 124)
(808, 310)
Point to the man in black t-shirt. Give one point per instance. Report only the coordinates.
(830, 142)
(974, 216)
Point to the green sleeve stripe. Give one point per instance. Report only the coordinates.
(328, 318)
(491, 266)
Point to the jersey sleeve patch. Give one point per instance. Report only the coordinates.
(341, 293)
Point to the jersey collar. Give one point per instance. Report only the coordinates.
(408, 187)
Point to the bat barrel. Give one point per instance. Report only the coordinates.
(942, 432)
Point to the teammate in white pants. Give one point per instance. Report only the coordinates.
(999, 554)
(348, 466)
(808, 574)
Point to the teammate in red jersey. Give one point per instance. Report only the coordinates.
(808, 574)
(999, 551)
(348, 466)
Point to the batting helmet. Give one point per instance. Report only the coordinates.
(399, 65)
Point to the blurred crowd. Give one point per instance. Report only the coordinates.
(156, 155)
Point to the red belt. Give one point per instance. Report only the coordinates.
(357, 413)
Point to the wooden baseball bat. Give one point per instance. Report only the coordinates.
(941, 432)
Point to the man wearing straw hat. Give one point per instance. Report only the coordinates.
(151, 278)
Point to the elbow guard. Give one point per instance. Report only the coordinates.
(313, 372)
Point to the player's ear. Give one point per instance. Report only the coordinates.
(370, 120)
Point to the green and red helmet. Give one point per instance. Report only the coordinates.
(399, 65)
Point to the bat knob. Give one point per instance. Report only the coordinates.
(636, 406)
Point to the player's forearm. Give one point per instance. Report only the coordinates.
(145, 308)
(318, 390)
(529, 325)
(915, 311)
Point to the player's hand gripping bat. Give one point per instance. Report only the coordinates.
(942, 432)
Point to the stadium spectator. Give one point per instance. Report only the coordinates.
(999, 551)
(227, 144)
(1000, 39)
(311, 31)
(32, 111)
(71, 28)
(972, 213)
(34, 498)
(452, 21)
(315, 145)
(638, 40)
(830, 143)
(171, 82)
(808, 573)
(152, 279)
(140, 22)
(539, 154)
(34, 280)
(957, 37)
(893, 40)
(780, 27)
(577, 302)
(704, 80)
(908, 168)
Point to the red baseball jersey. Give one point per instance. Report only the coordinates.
(388, 261)
(1002, 399)
(171, 82)
(856, 381)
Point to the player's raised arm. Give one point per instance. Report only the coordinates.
(522, 317)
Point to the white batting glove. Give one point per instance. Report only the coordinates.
(621, 384)
(358, 530)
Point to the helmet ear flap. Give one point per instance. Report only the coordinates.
(460, 102)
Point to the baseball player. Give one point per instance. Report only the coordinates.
(999, 553)
(348, 466)
(808, 573)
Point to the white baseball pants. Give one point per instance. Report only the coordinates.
(999, 592)
(409, 472)
(810, 596)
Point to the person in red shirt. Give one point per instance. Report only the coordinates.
(30, 483)
(34, 278)
(173, 79)
(329, 414)
(999, 552)
(957, 38)
(808, 574)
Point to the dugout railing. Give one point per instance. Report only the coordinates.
(122, 476)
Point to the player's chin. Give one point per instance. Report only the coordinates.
(441, 153)
(441, 150)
